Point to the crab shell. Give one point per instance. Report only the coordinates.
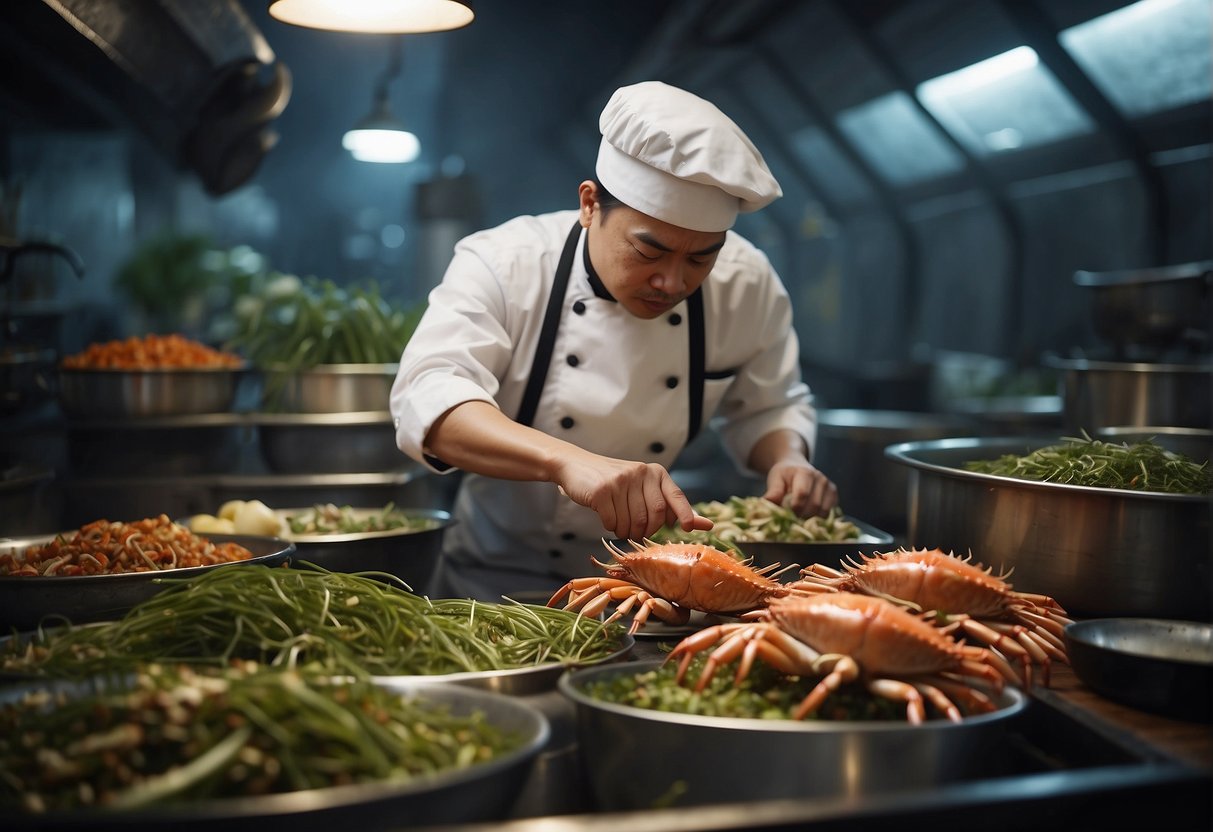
(694, 576)
(881, 637)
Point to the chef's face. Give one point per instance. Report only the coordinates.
(649, 266)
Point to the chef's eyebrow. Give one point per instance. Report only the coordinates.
(649, 240)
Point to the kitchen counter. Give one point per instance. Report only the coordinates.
(1078, 761)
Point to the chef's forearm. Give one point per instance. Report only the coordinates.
(778, 446)
(475, 436)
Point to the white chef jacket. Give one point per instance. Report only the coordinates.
(617, 386)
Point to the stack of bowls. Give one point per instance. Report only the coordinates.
(330, 419)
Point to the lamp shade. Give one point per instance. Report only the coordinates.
(379, 16)
(380, 137)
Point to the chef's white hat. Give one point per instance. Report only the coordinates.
(674, 156)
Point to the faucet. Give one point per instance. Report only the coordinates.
(11, 249)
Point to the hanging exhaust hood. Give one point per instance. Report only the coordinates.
(198, 80)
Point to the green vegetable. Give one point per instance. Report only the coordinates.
(331, 519)
(340, 623)
(1141, 466)
(299, 324)
(764, 694)
(174, 735)
(741, 520)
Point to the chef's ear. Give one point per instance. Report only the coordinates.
(587, 193)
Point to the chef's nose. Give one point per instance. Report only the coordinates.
(669, 280)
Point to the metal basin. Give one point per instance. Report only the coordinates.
(1100, 394)
(91, 394)
(25, 601)
(850, 451)
(479, 792)
(1098, 551)
(638, 758)
(1157, 665)
(411, 555)
(329, 388)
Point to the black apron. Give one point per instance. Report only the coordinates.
(547, 342)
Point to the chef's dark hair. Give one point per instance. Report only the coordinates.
(606, 200)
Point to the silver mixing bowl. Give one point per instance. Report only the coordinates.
(329, 388)
(411, 555)
(638, 758)
(92, 394)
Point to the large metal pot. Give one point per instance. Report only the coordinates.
(1159, 307)
(1098, 551)
(850, 450)
(1104, 393)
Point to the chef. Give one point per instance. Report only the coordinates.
(566, 359)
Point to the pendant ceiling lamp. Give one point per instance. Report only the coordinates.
(380, 136)
(379, 16)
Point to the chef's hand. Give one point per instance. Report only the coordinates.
(633, 499)
(807, 491)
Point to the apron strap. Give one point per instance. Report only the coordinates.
(547, 343)
(547, 334)
(698, 361)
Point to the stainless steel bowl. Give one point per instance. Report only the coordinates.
(850, 450)
(1158, 307)
(412, 556)
(1098, 551)
(329, 443)
(329, 388)
(1100, 394)
(1157, 665)
(26, 601)
(480, 792)
(90, 394)
(764, 553)
(638, 758)
(556, 783)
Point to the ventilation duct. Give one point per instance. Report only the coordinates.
(197, 79)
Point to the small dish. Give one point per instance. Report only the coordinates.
(1158, 665)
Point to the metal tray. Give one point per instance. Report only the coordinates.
(26, 601)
